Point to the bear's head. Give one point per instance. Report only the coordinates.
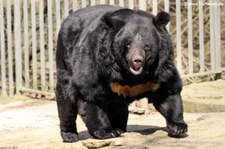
(141, 42)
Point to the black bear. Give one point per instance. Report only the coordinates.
(108, 57)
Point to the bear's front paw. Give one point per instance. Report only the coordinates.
(69, 136)
(107, 133)
(177, 129)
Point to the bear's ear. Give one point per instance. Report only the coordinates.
(117, 19)
(113, 21)
(162, 18)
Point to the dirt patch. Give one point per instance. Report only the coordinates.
(21, 104)
(8, 100)
(35, 125)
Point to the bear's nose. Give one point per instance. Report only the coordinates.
(137, 61)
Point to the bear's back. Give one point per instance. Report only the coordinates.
(90, 15)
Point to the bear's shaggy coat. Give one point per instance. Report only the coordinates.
(108, 57)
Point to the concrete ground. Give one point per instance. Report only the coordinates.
(34, 124)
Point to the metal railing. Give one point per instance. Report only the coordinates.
(29, 28)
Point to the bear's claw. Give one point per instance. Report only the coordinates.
(69, 136)
(177, 129)
(107, 133)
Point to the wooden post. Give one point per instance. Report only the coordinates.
(212, 36)
(131, 4)
(18, 52)
(167, 9)
(93, 2)
(57, 15)
(217, 20)
(83, 3)
(111, 2)
(190, 38)
(142, 5)
(154, 7)
(66, 10)
(121, 3)
(42, 43)
(201, 36)
(26, 45)
(10, 53)
(50, 47)
(2, 42)
(34, 44)
(75, 5)
(178, 35)
(102, 1)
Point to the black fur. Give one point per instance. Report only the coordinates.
(104, 44)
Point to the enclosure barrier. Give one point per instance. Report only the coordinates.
(29, 28)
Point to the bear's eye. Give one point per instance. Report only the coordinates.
(128, 44)
(147, 47)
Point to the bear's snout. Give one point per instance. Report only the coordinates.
(136, 63)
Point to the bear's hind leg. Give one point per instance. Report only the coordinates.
(96, 120)
(67, 117)
(67, 111)
(118, 115)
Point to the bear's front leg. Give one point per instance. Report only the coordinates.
(170, 106)
(94, 115)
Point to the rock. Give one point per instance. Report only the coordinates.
(95, 144)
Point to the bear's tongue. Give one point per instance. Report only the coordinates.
(136, 70)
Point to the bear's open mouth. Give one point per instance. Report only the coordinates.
(136, 70)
